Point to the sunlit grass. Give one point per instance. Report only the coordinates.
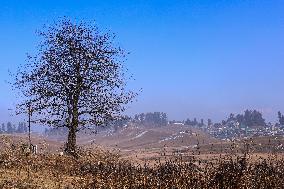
(97, 168)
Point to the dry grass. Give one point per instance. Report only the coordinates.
(103, 169)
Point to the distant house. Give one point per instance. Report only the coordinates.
(244, 127)
(178, 123)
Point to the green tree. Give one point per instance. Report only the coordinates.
(21, 128)
(9, 128)
(281, 118)
(252, 118)
(152, 118)
(195, 122)
(209, 122)
(202, 122)
(3, 128)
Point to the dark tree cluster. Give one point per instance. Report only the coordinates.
(281, 118)
(209, 122)
(250, 118)
(122, 121)
(194, 122)
(155, 118)
(56, 131)
(10, 128)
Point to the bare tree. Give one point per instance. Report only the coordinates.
(76, 80)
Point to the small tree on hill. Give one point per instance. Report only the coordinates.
(10, 129)
(209, 122)
(3, 128)
(76, 80)
(281, 118)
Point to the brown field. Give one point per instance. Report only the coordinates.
(173, 157)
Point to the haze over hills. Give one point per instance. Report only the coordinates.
(140, 137)
(134, 136)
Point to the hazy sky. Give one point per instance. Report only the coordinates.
(192, 58)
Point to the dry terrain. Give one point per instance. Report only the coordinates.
(143, 157)
(149, 144)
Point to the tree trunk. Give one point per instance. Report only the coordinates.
(71, 142)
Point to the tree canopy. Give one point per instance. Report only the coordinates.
(249, 118)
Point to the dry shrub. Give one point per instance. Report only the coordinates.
(97, 168)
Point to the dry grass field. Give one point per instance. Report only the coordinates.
(212, 164)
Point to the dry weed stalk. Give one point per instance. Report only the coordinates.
(96, 168)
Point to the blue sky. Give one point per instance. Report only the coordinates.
(192, 58)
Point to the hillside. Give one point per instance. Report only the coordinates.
(134, 137)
